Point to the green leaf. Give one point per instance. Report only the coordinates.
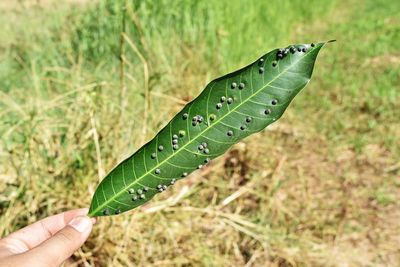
(229, 109)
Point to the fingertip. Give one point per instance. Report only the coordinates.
(81, 224)
(63, 244)
(69, 215)
(80, 211)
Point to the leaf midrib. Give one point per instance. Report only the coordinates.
(182, 148)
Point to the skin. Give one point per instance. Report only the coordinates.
(48, 242)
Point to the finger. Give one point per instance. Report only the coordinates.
(62, 245)
(34, 234)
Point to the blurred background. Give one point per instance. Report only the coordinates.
(83, 84)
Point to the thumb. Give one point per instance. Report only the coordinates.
(64, 243)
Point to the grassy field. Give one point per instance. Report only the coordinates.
(321, 187)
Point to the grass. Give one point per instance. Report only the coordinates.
(318, 188)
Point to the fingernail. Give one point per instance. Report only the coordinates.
(81, 223)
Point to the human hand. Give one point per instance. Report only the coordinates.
(48, 242)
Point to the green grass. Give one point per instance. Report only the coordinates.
(318, 188)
